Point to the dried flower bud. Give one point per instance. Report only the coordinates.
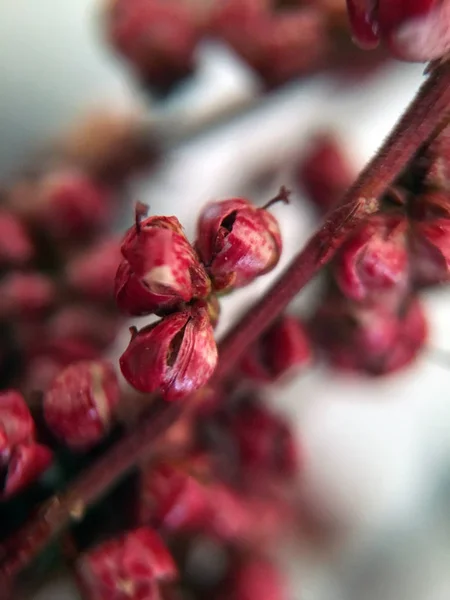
(25, 295)
(22, 460)
(158, 38)
(91, 273)
(161, 269)
(373, 340)
(325, 172)
(373, 262)
(265, 443)
(277, 42)
(16, 247)
(415, 30)
(430, 245)
(67, 204)
(438, 156)
(257, 578)
(238, 242)
(282, 352)
(126, 568)
(78, 406)
(176, 355)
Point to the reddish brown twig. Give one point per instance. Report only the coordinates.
(419, 124)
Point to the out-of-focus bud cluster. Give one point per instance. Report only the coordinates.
(370, 318)
(162, 273)
(279, 40)
(413, 31)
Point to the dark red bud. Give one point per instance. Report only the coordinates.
(91, 274)
(79, 404)
(127, 568)
(26, 463)
(176, 355)
(16, 247)
(374, 261)
(237, 242)
(26, 295)
(157, 38)
(375, 340)
(257, 578)
(16, 423)
(71, 204)
(282, 352)
(325, 172)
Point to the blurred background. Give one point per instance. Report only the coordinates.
(376, 452)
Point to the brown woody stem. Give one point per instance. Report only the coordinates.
(417, 126)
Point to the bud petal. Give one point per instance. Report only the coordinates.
(26, 295)
(238, 242)
(15, 244)
(431, 251)
(374, 260)
(26, 464)
(283, 351)
(258, 578)
(15, 419)
(129, 566)
(177, 355)
(79, 404)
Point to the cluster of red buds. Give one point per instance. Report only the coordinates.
(278, 40)
(162, 273)
(371, 319)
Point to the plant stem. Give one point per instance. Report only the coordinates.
(419, 123)
(60, 510)
(417, 126)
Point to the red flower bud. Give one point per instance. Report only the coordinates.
(25, 295)
(91, 274)
(325, 172)
(431, 251)
(374, 260)
(78, 406)
(21, 459)
(15, 245)
(158, 37)
(374, 340)
(176, 355)
(238, 242)
(126, 568)
(415, 30)
(283, 351)
(257, 578)
(265, 443)
(69, 204)
(161, 269)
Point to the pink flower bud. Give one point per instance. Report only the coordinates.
(16, 247)
(26, 295)
(282, 352)
(325, 173)
(161, 269)
(438, 155)
(91, 274)
(375, 340)
(257, 578)
(79, 405)
(373, 261)
(238, 242)
(127, 568)
(415, 30)
(158, 38)
(22, 460)
(431, 251)
(69, 204)
(176, 355)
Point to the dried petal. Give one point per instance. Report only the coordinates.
(78, 406)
